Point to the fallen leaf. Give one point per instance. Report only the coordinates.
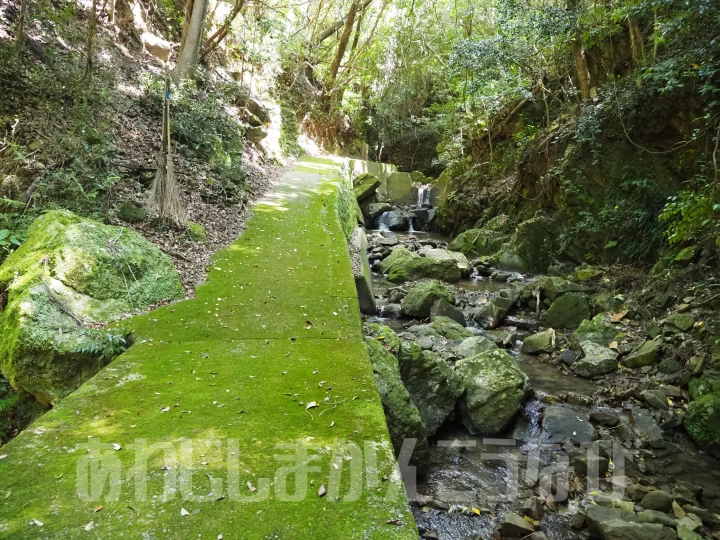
(37, 523)
(116, 446)
(617, 317)
(322, 491)
(184, 512)
(89, 526)
(311, 405)
(98, 508)
(251, 487)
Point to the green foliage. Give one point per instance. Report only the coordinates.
(289, 132)
(103, 345)
(690, 216)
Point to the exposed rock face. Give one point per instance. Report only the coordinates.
(404, 265)
(568, 311)
(156, 46)
(474, 345)
(441, 308)
(433, 385)
(421, 297)
(71, 271)
(597, 360)
(495, 388)
(478, 242)
(555, 287)
(398, 187)
(448, 328)
(530, 248)
(403, 418)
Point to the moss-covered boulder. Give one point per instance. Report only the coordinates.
(478, 242)
(597, 360)
(196, 231)
(702, 420)
(365, 185)
(449, 328)
(495, 388)
(384, 334)
(599, 329)
(531, 248)
(554, 287)
(421, 297)
(568, 311)
(404, 265)
(443, 254)
(131, 213)
(647, 354)
(71, 275)
(544, 341)
(474, 345)
(402, 416)
(433, 385)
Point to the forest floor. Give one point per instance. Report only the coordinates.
(247, 411)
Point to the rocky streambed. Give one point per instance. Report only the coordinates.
(543, 406)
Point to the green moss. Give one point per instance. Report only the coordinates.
(196, 231)
(272, 329)
(131, 213)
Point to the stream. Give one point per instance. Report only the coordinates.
(473, 481)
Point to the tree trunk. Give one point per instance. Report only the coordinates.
(213, 41)
(20, 34)
(344, 39)
(636, 40)
(91, 37)
(337, 25)
(189, 55)
(576, 43)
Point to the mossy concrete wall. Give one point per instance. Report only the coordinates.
(263, 370)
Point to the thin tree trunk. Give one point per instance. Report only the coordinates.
(91, 37)
(344, 39)
(20, 34)
(356, 38)
(192, 39)
(112, 12)
(581, 66)
(213, 41)
(337, 25)
(636, 40)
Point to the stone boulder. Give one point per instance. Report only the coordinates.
(540, 342)
(646, 354)
(495, 388)
(568, 311)
(490, 315)
(404, 265)
(478, 242)
(421, 297)
(398, 188)
(401, 414)
(365, 185)
(442, 308)
(448, 328)
(554, 287)
(531, 247)
(444, 254)
(71, 275)
(596, 360)
(561, 424)
(375, 210)
(598, 330)
(156, 46)
(433, 385)
(473, 346)
(395, 220)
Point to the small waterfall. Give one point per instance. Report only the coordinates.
(384, 221)
(423, 195)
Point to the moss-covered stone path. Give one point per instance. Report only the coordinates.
(198, 429)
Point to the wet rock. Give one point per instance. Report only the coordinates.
(515, 526)
(568, 311)
(646, 354)
(375, 210)
(533, 508)
(442, 308)
(657, 500)
(656, 399)
(391, 241)
(391, 311)
(539, 535)
(402, 416)
(426, 343)
(684, 493)
(578, 521)
(598, 329)
(540, 342)
(474, 345)
(420, 298)
(555, 287)
(365, 185)
(522, 323)
(585, 272)
(492, 314)
(588, 463)
(686, 534)
(404, 265)
(647, 428)
(449, 329)
(561, 424)
(691, 522)
(478, 242)
(395, 220)
(501, 338)
(605, 418)
(444, 254)
(568, 357)
(596, 360)
(495, 388)
(384, 334)
(617, 529)
(433, 385)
